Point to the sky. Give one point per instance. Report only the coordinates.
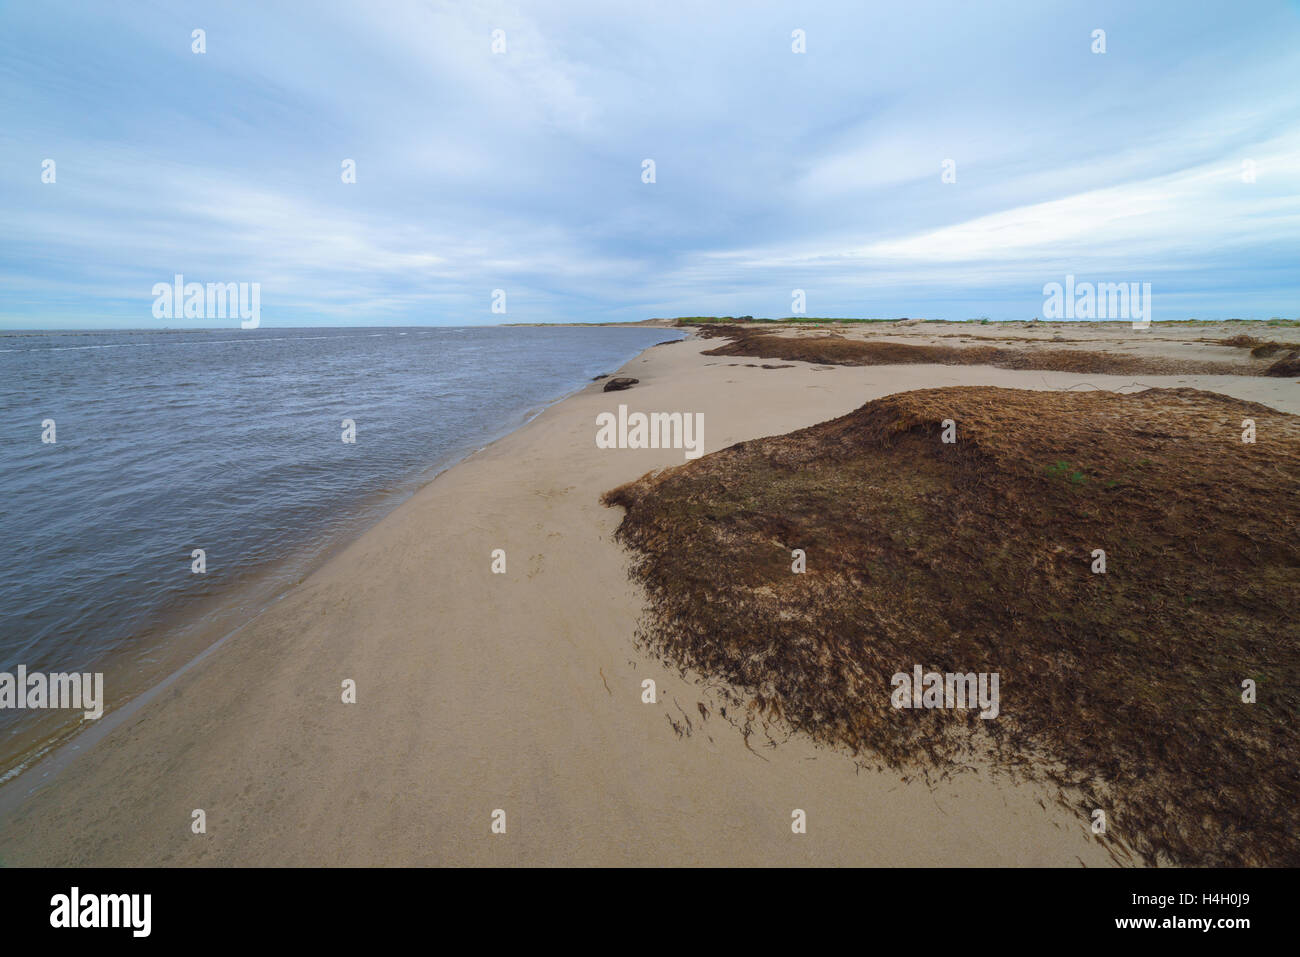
(1172, 158)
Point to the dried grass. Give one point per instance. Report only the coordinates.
(837, 350)
(1123, 688)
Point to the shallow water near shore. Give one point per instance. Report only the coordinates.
(229, 441)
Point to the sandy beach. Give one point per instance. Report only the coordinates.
(522, 691)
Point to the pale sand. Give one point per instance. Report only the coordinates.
(522, 691)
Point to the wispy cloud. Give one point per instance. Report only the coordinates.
(522, 170)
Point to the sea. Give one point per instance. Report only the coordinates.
(160, 488)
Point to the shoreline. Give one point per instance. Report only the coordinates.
(519, 691)
(184, 635)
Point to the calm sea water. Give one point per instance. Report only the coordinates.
(231, 441)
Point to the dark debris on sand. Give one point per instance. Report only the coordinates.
(619, 384)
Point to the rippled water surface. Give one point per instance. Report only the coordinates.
(230, 441)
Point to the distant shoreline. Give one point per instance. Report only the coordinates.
(679, 322)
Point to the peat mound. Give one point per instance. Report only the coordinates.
(1124, 687)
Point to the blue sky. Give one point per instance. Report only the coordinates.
(522, 170)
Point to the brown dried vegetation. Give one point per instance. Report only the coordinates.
(1123, 688)
(839, 350)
